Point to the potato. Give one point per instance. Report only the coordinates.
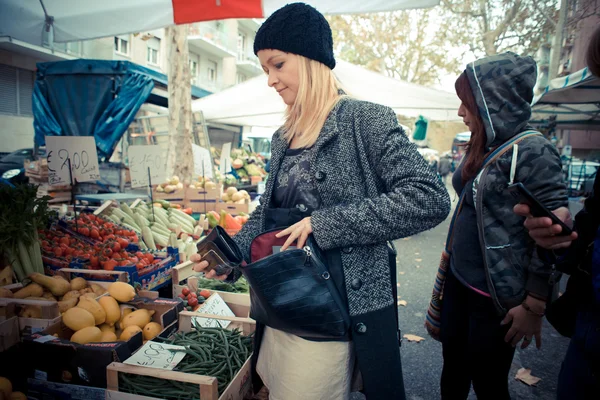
(89, 295)
(73, 294)
(99, 290)
(64, 305)
(78, 284)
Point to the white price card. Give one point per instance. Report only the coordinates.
(202, 164)
(143, 157)
(214, 305)
(157, 355)
(80, 151)
(225, 166)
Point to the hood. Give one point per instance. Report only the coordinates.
(503, 88)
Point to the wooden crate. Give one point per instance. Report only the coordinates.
(207, 385)
(177, 197)
(184, 271)
(100, 275)
(234, 209)
(203, 200)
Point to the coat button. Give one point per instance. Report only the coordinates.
(356, 284)
(347, 250)
(320, 176)
(360, 328)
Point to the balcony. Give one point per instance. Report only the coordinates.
(210, 86)
(211, 40)
(250, 23)
(249, 64)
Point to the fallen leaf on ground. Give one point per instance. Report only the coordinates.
(401, 272)
(402, 303)
(406, 238)
(418, 259)
(413, 338)
(524, 375)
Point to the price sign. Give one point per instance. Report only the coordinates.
(215, 305)
(225, 166)
(157, 355)
(79, 151)
(202, 164)
(143, 157)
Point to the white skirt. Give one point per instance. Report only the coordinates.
(293, 368)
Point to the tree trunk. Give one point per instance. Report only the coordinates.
(557, 42)
(180, 160)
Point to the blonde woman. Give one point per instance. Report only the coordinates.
(343, 171)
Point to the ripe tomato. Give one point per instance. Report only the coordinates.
(107, 252)
(124, 263)
(205, 293)
(192, 302)
(134, 238)
(109, 265)
(85, 231)
(58, 252)
(64, 240)
(139, 254)
(192, 294)
(139, 266)
(94, 262)
(185, 292)
(149, 257)
(123, 242)
(115, 246)
(94, 234)
(119, 232)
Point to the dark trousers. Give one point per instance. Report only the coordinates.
(579, 376)
(473, 345)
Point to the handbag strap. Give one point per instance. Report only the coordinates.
(492, 157)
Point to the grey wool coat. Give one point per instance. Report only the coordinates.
(374, 187)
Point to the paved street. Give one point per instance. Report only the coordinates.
(418, 258)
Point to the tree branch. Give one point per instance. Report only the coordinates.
(538, 9)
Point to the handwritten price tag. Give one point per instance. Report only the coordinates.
(143, 157)
(157, 355)
(215, 305)
(80, 151)
(202, 164)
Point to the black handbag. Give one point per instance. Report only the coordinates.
(292, 291)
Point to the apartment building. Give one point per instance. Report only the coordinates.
(220, 56)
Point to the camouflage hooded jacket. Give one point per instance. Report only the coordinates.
(503, 88)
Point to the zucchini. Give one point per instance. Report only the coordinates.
(148, 238)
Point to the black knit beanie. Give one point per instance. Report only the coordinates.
(299, 29)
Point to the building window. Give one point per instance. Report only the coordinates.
(122, 45)
(16, 90)
(240, 78)
(212, 71)
(193, 70)
(241, 48)
(153, 54)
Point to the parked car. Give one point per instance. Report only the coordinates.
(11, 165)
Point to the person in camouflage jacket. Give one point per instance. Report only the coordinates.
(497, 286)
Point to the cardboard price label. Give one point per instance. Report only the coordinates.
(79, 151)
(157, 355)
(215, 305)
(143, 157)
(202, 163)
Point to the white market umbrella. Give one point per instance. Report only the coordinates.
(254, 103)
(46, 21)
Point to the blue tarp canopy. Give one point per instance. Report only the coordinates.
(93, 98)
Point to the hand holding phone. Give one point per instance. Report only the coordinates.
(537, 209)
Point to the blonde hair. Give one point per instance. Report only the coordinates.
(316, 97)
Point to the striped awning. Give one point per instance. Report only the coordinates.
(573, 100)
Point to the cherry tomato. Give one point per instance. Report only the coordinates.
(64, 240)
(185, 292)
(58, 252)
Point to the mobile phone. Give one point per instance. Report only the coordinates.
(538, 210)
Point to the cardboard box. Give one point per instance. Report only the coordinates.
(177, 197)
(203, 200)
(9, 333)
(50, 314)
(233, 209)
(207, 385)
(57, 359)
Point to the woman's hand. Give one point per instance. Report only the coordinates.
(543, 232)
(525, 325)
(298, 231)
(200, 266)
